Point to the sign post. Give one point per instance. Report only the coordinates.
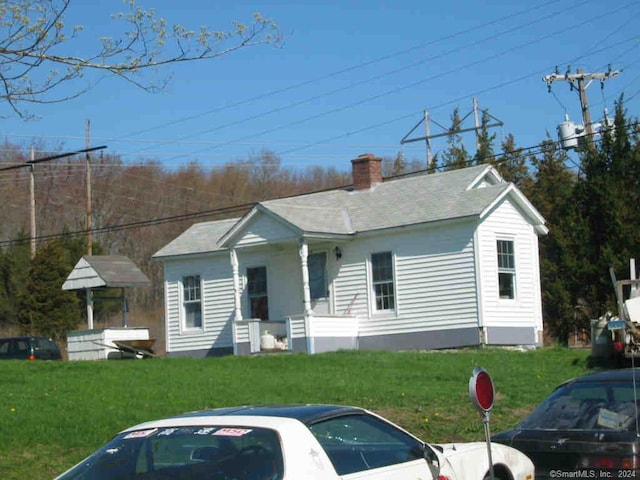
(482, 393)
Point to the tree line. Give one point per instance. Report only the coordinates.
(588, 198)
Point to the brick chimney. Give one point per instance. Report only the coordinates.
(366, 171)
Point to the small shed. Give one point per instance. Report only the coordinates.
(99, 272)
(95, 272)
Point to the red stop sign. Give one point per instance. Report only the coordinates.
(481, 390)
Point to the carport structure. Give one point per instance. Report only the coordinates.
(99, 272)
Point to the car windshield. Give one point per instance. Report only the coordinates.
(586, 406)
(212, 452)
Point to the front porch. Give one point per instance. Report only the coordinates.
(297, 334)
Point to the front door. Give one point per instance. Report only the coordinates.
(318, 285)
(257, 291)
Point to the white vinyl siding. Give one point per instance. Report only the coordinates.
(434, 280)
(506, 222)
(264, 229)
(350, 286)
(217, 304)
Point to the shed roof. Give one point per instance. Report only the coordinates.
(94, 271)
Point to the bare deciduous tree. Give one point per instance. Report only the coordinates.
(34, 32)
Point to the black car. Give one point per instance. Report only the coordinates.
(588, 428)
(29, 348)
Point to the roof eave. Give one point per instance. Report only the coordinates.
(227, 239)
(530, 212)
(487, 171)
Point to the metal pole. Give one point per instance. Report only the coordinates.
(487, 436)
(426, 133)
(476, 119)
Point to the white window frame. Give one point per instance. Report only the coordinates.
(186, 293)
(507, 270)
(374, 283)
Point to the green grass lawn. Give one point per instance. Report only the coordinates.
(52, 414)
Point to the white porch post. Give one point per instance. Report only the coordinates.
(236, 284)
(304, 255)
(89, 301)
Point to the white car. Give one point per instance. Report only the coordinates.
(290, 442)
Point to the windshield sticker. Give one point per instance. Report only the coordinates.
(167, 432)
(233, 432)
(205, 431)
(611, 419)
(140, 433)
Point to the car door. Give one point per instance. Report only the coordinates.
(5, 344)
(415, 470)
(365, 446)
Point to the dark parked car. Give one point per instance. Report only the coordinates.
(29, 348)
(588, 428)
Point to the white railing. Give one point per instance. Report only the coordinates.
(295, 327)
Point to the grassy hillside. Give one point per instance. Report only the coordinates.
(52, 414)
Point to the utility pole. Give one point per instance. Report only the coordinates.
(88, 180)
(580, 81)
(32, 204)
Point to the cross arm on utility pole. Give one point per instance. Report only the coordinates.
(583, 80)
(580, 76)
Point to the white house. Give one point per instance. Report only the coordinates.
(423, 261)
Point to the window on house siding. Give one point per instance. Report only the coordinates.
(192, 301)
(257, 290)
(382, 276)
(506, 269)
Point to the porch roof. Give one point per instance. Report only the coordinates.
(198, 238)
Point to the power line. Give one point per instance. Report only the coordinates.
(529, 151)
(390, 56)
(348, 69)
(414, 84)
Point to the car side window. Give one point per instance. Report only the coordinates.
(362, 442)
(4, 347)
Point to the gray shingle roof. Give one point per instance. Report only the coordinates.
(198, 238)
(399, 202)
(94, 271)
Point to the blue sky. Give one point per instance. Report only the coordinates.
(351, 77)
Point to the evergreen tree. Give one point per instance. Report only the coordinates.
(607, 195)
(484, 154)
(512, 163)
(399, 166)
(551, 191)
(14, 265)
(456, 155)
(44, 308)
